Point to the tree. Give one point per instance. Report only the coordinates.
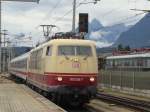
(127, 48)
(120, 47)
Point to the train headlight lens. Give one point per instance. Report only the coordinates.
(59, 78)
(92, 79)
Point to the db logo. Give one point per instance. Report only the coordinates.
(75, 65)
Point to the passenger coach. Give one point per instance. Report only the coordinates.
(64, 68)
(19, 66)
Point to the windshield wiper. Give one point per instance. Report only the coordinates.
(85, 58)
(65, 56)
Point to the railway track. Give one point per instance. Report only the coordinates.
(79, 109)
(101, 106)
(139, 105)
(5, 79)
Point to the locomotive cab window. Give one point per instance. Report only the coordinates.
(75, 50)
(49, 51)
(66, 50)
(84, 50)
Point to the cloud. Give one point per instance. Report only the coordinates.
(25, 17)
(103, 44)
(97, 35)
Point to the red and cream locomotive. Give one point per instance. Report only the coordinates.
(64, 68)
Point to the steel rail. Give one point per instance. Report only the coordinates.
(132, 103)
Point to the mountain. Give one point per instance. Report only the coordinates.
(95, 25)
(105, 36)
(137, 36)
(17, 51)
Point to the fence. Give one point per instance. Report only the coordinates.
(125, 79)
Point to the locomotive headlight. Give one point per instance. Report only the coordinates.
(59, 78)
(92, 79)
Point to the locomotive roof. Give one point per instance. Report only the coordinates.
(66, 42)
(143, 55)
(56, 42)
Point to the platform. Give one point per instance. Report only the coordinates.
(20, 98)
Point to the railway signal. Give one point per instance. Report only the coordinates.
(74, 13)
(83, 22)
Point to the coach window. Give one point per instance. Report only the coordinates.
(49, 51)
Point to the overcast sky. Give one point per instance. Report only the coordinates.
(26, 17)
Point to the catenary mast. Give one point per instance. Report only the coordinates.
(1, 23)
(74, 16)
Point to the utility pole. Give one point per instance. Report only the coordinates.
(1, 21)
(74, 16)
(4, 50)
(0, 40)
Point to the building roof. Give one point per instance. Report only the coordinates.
(143, 55)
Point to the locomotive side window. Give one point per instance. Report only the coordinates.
(49, 51)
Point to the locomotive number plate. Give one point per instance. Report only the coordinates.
(76, 79)
(75, 65)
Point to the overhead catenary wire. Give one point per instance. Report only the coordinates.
(68, 12)
(108, 13)
(111, 11)
(79, 4)
(116, 9)
(50, 12)
(125, 19)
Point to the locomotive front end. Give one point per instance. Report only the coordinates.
(76, 70)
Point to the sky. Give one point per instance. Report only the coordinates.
(25, 18)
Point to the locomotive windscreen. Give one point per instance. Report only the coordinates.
(74, 50)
